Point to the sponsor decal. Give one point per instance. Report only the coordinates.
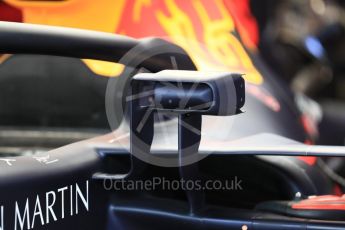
(46, 208)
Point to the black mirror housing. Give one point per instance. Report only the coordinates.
(207, 93)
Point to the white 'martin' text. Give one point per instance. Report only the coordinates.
(48, 207)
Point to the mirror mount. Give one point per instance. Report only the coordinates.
(188, 94)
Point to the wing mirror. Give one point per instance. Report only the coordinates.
(189, 94)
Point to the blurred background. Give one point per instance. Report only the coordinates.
(304, 43)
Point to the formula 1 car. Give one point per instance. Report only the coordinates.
(213, 115)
